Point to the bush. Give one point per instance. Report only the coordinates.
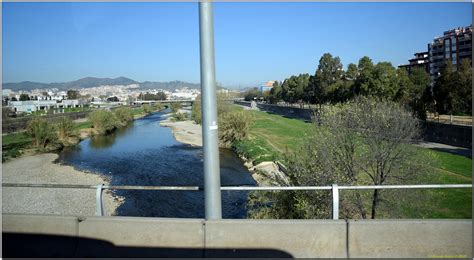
(179, 117)
(158, 106)
(234, 126)
(175, 107)
(147, 109)
(103, 121)
(65, 128)
(196, 111)
(124, 115)
(42, 132)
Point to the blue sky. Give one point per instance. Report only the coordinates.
(254, 42)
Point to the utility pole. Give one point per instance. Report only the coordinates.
(212, 182)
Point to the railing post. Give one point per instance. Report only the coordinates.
(335, 202)
(99, 210)
(212, 182)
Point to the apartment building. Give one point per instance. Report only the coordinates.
(454, 46)
(421, 60)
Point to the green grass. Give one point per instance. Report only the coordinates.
(82, 125)
(14, 144)
(271, 136)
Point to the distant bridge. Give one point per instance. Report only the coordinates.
(182, 102)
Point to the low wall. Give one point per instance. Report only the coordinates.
(56, 236)
(455, 135)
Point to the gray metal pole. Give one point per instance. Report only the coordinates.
(212, 182)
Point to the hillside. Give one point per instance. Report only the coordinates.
(90, 82)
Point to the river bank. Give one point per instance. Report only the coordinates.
(265, 173)
(42, 168)
(35, 166)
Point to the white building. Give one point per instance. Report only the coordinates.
(36, 105)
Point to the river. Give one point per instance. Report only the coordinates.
(146, 153)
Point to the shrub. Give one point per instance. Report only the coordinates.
(175, 107)
(147, 108)
(158, 106)
(65, 128)
(103, 121)
(179, 117)
(234, 126)
(196, 111)
(124, 115)
(42, 132)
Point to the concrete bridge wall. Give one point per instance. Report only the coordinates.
(36, 235)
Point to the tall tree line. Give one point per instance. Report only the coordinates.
(451, 93)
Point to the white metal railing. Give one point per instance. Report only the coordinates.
(334, 188)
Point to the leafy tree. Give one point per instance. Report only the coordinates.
(149, 96)
(24, 97)
(252, 94)
(275, 93)
(352, 72)
(384, 81)
(14, 99)
(73, 94)
(293, 88)
(361, 142)
(329, 72)
(365, 68)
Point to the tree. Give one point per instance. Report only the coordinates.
(384, 81)
(365, 68)
(360, 142)
(113, 99)
(413, 90)
(275, 93)
(252, 94)
(329, 72)
(24, 97)
(14, 99)
(293, 88)
(73, 94)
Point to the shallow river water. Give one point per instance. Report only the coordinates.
(146, 153)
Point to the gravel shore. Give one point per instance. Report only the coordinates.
(186, 132)
(42, 168)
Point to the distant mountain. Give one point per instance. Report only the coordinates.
(90, 82)
(171, 85)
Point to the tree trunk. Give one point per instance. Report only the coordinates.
(360, 205)
(374, 202)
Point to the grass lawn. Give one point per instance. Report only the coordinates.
(273, 135)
